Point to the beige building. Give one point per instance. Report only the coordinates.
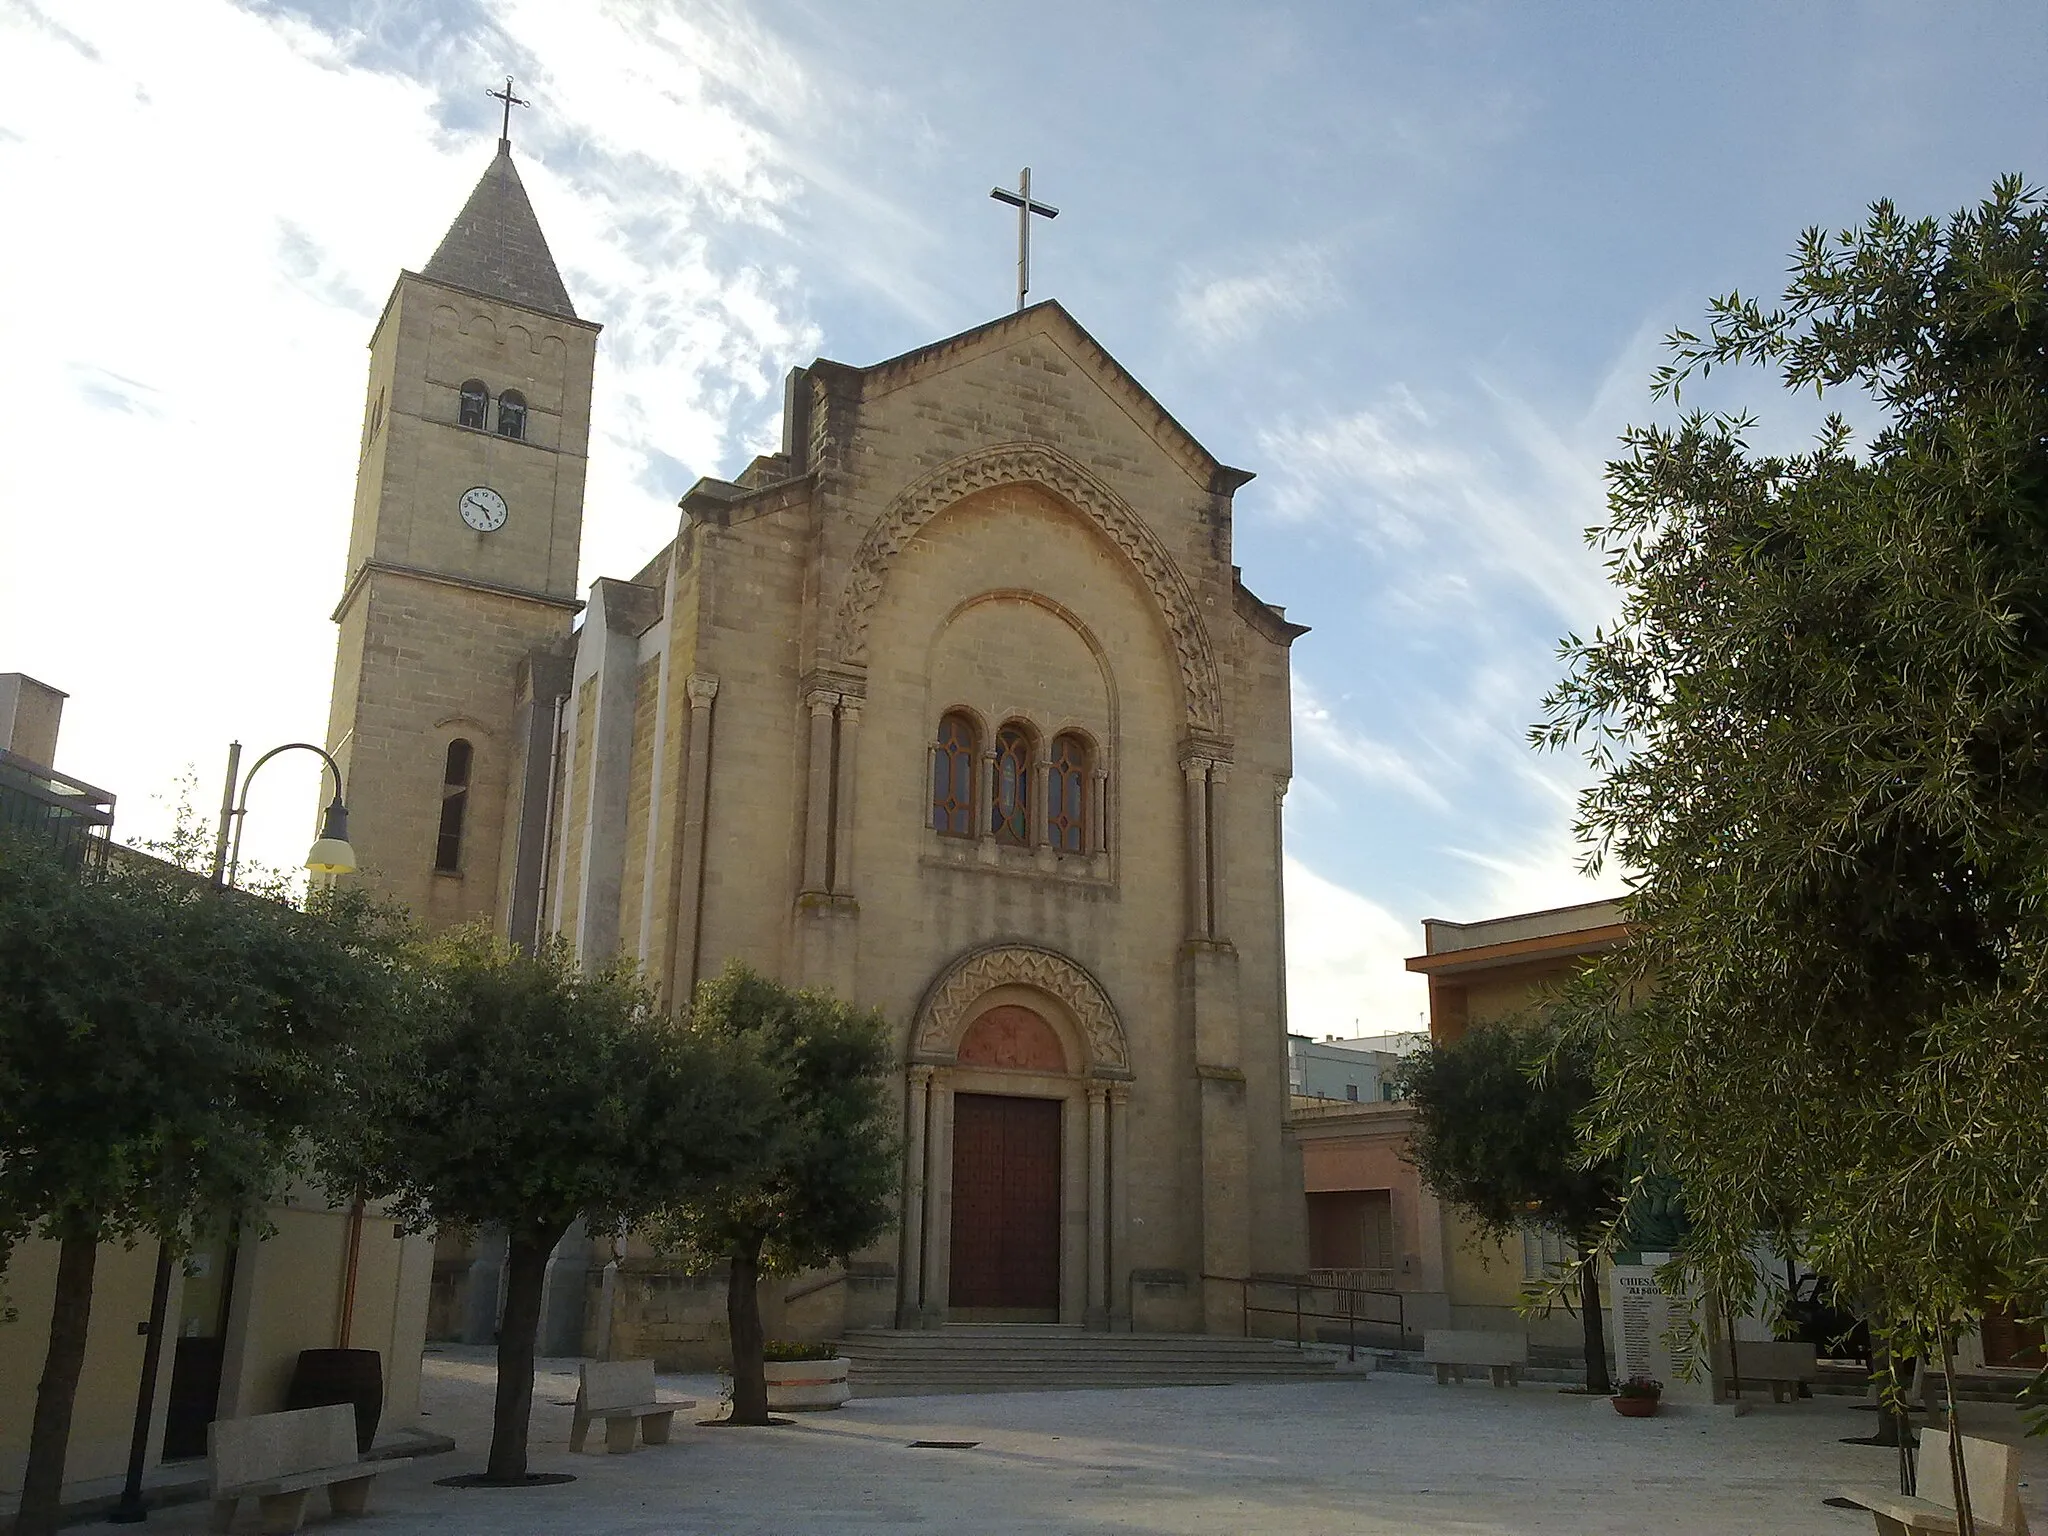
(954, 706)
(240, 1306)
(1372, 1222)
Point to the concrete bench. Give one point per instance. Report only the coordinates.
(1993, 1472)
(1452, 1350)
(277, 1459)
(621, 1392)
(1780, 1364)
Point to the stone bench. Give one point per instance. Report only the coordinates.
(1780, 1364)
(621, 1392)
(1993, 1472)
(277, 1459)
(1453, 1350)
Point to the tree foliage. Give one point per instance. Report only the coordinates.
(517, 1091)
(823, 1184)
(1497, 1135)
(1818, 725)
(163, 1046)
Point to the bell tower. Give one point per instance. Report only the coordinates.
(462, 557)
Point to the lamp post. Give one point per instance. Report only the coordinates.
(330, 855)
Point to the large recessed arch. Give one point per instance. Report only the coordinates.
(1035, 464)
(943, 1014)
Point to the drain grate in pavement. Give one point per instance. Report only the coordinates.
(943, 1445)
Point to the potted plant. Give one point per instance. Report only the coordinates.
(802, 1376)
(1637, 1397)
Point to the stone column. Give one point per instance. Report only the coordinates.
(1038, 814)
(938, 1199)
(689, 900)
(910, 1271)
(1197, 814)
(1119, 1266)
(1219, 826)
(842, 836)
(986, 811)
(1096, 1318)
(1098, 812)
(818, 812)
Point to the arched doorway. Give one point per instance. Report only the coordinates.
(1013, 1187)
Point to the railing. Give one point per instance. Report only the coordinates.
(74, 816)
(1353, 1279)
(1357, 1308)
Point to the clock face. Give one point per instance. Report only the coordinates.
(483, 509)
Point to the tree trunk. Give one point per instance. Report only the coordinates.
(526, 1272)
(743, 1321)
(42, 1483)
(1597, 1379)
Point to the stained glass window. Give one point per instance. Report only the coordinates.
(1066, 790)
(1010, 816)
(953, 766)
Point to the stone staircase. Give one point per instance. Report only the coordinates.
(966, 1358)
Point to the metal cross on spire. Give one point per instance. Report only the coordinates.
(511, 101)
(1021, 201)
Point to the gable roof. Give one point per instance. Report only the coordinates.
(1050, 315)
(495, 246)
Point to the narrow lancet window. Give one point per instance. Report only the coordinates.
(454, 806)
(1066, 794)
(512, 414)
(953, 760)
(1010, 816)
(476, 405)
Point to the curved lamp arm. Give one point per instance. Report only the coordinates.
(333, 823)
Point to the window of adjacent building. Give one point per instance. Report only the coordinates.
(1351, 1092)
(1010, 816)
(476, 404)
(512, 414)
(454, 806)
(953, 760)
(1543, 1252)
(1066, 794)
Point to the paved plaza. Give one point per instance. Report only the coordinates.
(1383, 1454)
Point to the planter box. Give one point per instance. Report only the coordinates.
(1635, 1407)
(796, 1385)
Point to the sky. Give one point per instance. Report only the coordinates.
(1411, 264)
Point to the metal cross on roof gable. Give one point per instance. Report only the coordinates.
(1021, 201)
(511, 101)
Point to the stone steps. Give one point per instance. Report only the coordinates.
(995, 1358)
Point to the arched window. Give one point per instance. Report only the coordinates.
(1010, 816)
(1066, 794)
(953, 762)
(512, 414)
(476, 404)
(454, 804)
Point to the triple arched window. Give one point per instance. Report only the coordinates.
(1021, 791)
(475, 410)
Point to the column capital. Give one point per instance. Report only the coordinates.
(1119, 1094)
(920, 1074)
(1098, 1093)
(1219, 770)
(822, 701)
(849, 706)
(702, 690)
(1195, 766)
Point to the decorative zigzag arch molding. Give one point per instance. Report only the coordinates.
(1034, 464)
(941, 1016)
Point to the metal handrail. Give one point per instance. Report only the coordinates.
(1349, 1316)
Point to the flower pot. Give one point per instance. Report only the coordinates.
(1635, 1407)
(796, 1385)
(352, 1376)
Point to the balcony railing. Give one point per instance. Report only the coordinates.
(76, 818)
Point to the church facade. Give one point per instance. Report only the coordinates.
(955, 707)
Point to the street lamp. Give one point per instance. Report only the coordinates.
(331, 855)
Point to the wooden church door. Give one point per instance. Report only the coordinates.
(1006, 1209)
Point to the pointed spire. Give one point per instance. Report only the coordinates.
(495, 246)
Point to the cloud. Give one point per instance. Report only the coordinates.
(1354, 752)
(1345, 953)
(1231, 309)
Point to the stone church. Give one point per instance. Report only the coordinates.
(955, 706)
